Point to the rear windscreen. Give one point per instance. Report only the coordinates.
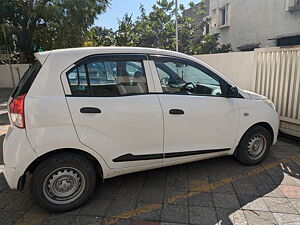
(27, 79)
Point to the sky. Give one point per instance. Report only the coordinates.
(118, 8)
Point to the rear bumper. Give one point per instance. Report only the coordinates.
(17, 155)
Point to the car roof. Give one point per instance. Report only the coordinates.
(41, 56)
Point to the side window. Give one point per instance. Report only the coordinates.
(102, 78)
(78, 81)
(108, 78)
(181, 78)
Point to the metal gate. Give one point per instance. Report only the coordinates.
(277, 76)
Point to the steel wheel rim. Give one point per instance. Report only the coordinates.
(257, 146)
(64, 185)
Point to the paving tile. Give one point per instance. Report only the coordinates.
(290, 191)
(32, 218)
(202, 215)
(283, 151)
(281, 142)
(262, 178)
(175, 213)
(290, 180)
(197, 171)
(20, 203)
(95, 207)
(106, 192)
(245, 188)
(156, 178)
(143, 222)
(224, 188)
(112, 182)
(147, 212)
(9, 217)
(270, 191)
(119, 209)
(243, 179)
(174, 196)
(284, 219)
(133, 180)
(217, 173)
(37, 208)
(114, 221)
(163, 223)
(259, 218)
(178, 183)
(226, 201)
(252, 202)
(197, 185)
(155, 183)
(279, 205)
(177, 171)
(88, 220)
(229, 217)
(149, 195)
(5, 200)
(273, 171)
(128, 194)
(3, 185)
(295, 203)
(201, 199)
(234, 168)
(58, 219)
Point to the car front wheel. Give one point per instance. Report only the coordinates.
(63, 182)
(254, 146)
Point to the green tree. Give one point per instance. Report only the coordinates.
(125, 35)
(157, 30)
(49, 24)
(99, 36)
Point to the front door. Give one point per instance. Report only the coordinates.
(113, 112)
(198, 118)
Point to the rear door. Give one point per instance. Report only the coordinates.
(113, 110)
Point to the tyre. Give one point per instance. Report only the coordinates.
(254, 146)
(63, 182)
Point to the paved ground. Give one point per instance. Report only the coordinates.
(217, 191)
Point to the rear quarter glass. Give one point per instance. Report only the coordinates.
(27, 79)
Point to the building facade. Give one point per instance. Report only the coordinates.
(249, 24)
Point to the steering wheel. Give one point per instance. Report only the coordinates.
(188, 89)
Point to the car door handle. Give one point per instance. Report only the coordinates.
(176, 111)
(90, 110)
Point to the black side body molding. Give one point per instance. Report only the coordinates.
(131, 157)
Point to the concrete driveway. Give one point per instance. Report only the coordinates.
(216, 191)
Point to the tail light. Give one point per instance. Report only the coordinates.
(16, 110)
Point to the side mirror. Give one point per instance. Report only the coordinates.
(233, 92)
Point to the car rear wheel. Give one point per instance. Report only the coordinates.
(254, 146)
(63, 182)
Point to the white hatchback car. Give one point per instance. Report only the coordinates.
(78, 113)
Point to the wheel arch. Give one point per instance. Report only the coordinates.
(266, 125)
(96, 164)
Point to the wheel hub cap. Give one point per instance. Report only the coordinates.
(256, 146)
(64, 185)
